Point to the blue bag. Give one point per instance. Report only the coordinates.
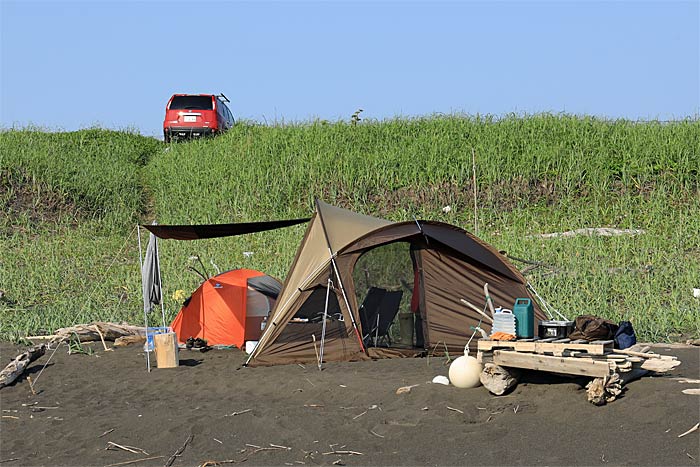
(625, 337)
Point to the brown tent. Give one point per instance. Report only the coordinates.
(355, 275)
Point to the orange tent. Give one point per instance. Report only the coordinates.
(224, 310)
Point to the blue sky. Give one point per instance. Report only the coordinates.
(70, 65)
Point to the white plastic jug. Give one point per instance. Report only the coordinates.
(503, 321)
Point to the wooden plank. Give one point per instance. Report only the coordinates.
(566, 365)
(545, 346)
(593, 349)
(487, 345)
(604, 358)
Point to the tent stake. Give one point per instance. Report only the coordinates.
(318, 360)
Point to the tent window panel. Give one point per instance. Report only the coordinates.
(313, 308)
(384, 283)
(308, 319)
(299, 333)
(257, 304)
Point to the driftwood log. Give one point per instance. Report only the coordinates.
(600, 391)
(17, 366)
(91, 332)
(499, 380)
(128, 340)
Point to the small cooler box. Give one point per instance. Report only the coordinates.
(555, 329)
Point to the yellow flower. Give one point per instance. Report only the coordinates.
(179, 295)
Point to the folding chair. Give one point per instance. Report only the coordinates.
(388, 309)
(369, 312)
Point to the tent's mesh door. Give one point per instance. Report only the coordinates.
(384, 284)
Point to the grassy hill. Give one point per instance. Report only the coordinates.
(71, 202)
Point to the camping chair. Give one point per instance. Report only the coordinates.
(369, 312)
(388, 309)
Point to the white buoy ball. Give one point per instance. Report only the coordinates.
(465, 371)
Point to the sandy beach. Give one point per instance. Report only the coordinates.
(348, 414)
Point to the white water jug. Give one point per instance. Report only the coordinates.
(503, 321)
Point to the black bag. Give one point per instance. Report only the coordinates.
(593, 328)
(625, 337)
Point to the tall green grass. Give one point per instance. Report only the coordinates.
(70, 202)
(96, 171)
(537, 174)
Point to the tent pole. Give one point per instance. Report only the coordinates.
(325, 315)
(340, 281)
(145, 315)
(347, 303)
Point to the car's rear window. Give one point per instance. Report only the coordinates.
(191, 103)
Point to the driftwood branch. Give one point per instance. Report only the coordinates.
(179, 451)
(17, 366)
(601, 231)
(695, 428)
(102, 338)
(134, 461)
(644, 354)
(110, 331)
(128, 340)
(600, 391)
(135, 450)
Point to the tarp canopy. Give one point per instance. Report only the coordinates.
(341, 252)
(202, 231)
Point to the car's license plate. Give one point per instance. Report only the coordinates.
(190, 118)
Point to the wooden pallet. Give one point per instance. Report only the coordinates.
(579, 357)
(556, 347)
(566, 365)
(610, 368)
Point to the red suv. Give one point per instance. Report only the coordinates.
(194, 115)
